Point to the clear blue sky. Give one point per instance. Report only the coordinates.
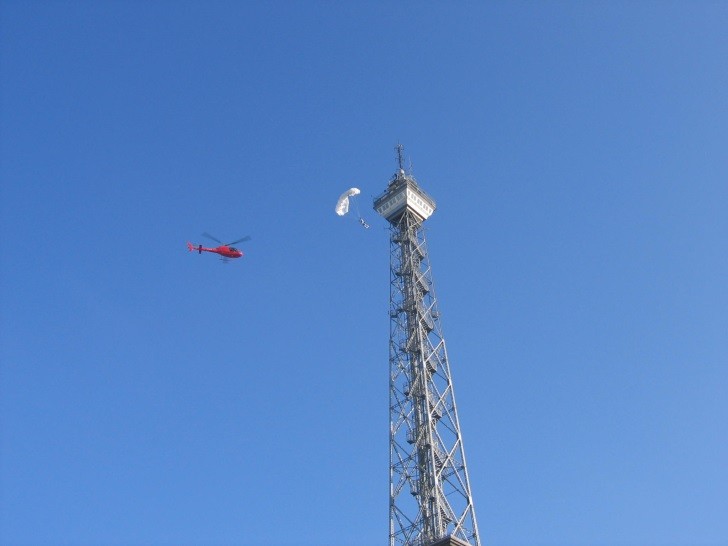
(578, 154)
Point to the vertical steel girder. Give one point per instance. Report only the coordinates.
(430, 494)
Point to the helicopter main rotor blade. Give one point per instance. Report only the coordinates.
(246, 238)
(213, 238)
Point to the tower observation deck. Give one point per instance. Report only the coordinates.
(430, 501)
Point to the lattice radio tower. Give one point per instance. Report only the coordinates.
(430, 500)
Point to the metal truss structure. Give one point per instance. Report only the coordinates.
(430, 496)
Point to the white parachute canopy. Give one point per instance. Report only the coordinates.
(342, 205)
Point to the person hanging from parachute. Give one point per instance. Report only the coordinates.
(342, 205)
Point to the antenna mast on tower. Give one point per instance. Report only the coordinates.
(400, 156)
(430, 499)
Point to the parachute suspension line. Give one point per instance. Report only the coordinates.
(361, 218)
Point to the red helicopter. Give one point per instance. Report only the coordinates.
(225, 250)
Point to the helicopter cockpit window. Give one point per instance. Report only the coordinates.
(233, 249)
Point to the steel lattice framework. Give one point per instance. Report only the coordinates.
(430, 494)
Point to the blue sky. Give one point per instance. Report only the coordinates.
(577, 154)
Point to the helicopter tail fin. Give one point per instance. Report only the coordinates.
(192, 247)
